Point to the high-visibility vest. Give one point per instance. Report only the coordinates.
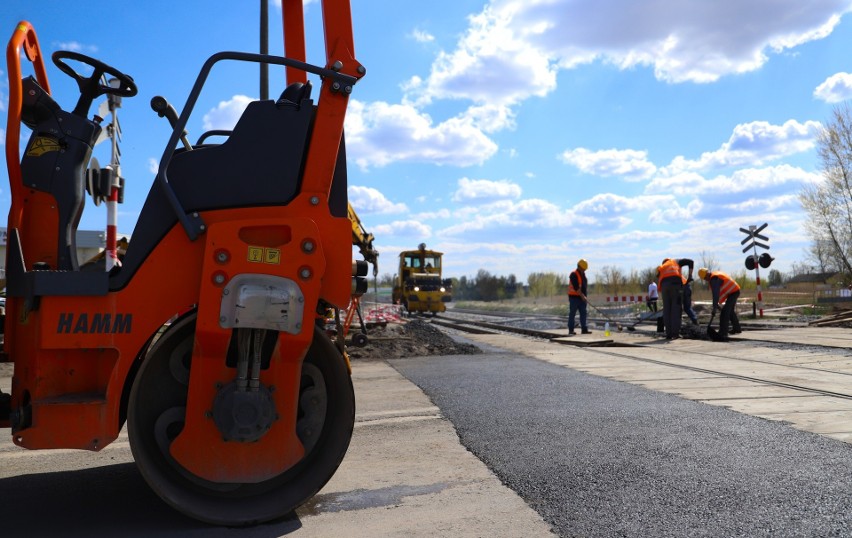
(668, 269)
(729, 285)
(571, 290)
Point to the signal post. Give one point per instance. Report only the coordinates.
(754, 261)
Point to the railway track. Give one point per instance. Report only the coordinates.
(622, 315)
(760, 359)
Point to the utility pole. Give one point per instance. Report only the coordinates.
(264, 49)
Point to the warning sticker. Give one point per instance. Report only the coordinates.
(42, 145)
(264, 255)
(272, 255)
(255, 254)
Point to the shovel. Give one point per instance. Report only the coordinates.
(711, 332)
(646, 316)
(609, 319)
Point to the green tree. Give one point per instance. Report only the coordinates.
(775, 277)
(543, 284)
(511, 286)
(486, 285)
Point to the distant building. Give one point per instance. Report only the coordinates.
(816, 280)
(826, 287)
(90, 243)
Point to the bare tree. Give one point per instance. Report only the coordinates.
(612, 279)
(708, 260)
(802, 268)
(822, 254)
(646, 276)
(829, 203)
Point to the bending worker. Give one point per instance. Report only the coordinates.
(577, 297)
(687, 301)
(725, 290)
(671, 281)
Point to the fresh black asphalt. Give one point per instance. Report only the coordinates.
(599, 458)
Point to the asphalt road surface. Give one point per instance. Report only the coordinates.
(597, 457)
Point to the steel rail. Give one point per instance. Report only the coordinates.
(474, 327)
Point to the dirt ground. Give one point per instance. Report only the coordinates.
(414, 338)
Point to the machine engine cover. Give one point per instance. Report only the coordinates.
(262, 302)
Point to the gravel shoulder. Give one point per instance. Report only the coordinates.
(413, 338)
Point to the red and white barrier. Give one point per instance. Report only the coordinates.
(384, 313)
(627, 299)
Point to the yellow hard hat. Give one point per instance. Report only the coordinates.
(702, 273)
(583, 264)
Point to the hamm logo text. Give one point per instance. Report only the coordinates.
(94, 324)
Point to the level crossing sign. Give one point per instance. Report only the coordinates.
(754, 261)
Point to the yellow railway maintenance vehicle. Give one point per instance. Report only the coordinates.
(418, 285)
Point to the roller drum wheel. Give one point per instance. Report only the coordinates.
(156, 416)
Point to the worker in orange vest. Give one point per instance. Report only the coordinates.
(577, 300)
(725, 290)
(670, 276)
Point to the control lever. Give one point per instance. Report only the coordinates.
(164, 109)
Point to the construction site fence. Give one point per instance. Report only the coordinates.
(380, 313)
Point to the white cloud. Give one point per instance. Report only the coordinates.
(632, 165)
(153, 165)
(76, 46)
(766, 205)
(403, 228)
(675, 213)
(421, 36)
(692, 40)
(513, 50)
(526, 218)
(722, 186)
(753, 144)
(835, 89)
(491, 117)
(226, 114)
(380, 133)
(368, 200)
(431, 215)
(491, 64)
(484, 190)
(609, 204)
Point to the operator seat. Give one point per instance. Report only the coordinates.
(260, 164)
(294, 94)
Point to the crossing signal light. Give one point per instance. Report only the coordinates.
(764, 260)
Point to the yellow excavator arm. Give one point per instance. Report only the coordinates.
(362, 239)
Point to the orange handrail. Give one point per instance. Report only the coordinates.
(24, 35)
(331, 109)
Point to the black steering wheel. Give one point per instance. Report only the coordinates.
(91, 87)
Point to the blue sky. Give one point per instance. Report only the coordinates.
(516, 136)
